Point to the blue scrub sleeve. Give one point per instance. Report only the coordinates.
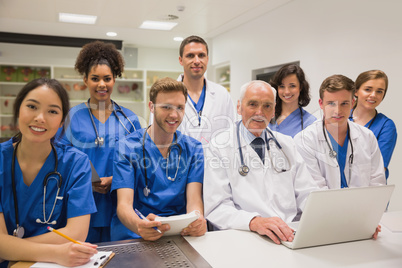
(123, 171)
(80, 198)
(387, 141)
(196, 168)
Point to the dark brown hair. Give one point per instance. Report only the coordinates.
(276, 81)
(99, 53)
(192, 39)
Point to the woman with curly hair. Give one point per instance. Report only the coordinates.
(293, 94)
(371, 87)
(95, 127)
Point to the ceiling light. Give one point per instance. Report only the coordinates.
(158, 25)
(111, 34)
(178, 38)
(77, 18)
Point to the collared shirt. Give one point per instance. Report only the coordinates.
(248, 136)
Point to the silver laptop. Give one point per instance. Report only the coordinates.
(340, 215)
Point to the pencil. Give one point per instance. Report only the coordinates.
(63, 235)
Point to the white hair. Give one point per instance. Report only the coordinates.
(244, 88)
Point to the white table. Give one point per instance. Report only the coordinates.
(234, 248)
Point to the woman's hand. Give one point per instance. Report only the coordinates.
(72, 254)
(103, 186)
(146, 228)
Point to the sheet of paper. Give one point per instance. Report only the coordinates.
(99, 258)
(178, 222)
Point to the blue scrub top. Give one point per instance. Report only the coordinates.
(341, 152)
(292, 124)
(384, 130)
(75, 189)
(80, 133)
(166, 197)
(200, 104)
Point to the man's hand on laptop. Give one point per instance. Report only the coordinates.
(273, 227)
(377, 230)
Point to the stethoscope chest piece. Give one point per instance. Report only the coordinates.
(19, 232)
(243, 170)
(99, 141)
(146, 191)
(332, 153)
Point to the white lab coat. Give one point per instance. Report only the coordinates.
(217, 114)
(231, 201)
(367, 167)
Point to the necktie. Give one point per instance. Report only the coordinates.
(258, 145)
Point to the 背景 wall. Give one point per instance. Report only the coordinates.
(327, 37)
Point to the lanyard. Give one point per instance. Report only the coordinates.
(200, 104)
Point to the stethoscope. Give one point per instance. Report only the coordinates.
(372, 120)
(244, 169)
(147, 191)
(301, 118)
(332, 153)
(19, 230)
(99, 141)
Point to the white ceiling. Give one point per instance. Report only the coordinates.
(206, 18)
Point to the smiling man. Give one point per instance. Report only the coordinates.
(340, 153)
(158, 170)
(259, 187)
(209, 109)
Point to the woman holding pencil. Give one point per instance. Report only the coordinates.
(43, 184)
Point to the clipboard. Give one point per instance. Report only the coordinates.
(95, 175)
(95, 261)
(103, 264)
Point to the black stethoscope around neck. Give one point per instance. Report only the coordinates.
(19, 230)
(174, 143)
(332, 153)
(244, 169)
(372, 120)
(99, 141)
(301, 118)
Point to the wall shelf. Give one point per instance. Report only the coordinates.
(131, 91)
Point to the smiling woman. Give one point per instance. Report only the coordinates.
(371, 87)
(293, 94)
(98, 124)
(47, 184)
